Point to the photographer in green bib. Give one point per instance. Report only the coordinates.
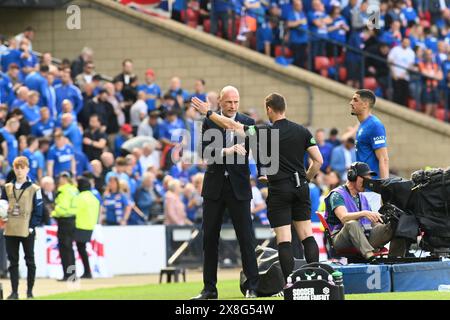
(24, 215)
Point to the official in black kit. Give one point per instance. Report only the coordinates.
(288, 200)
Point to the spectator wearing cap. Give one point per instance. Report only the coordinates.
(87, 209)
(60, 157)
(342, 157)
(151, 89)
(37, 81)
(8, 141)
(126, 132)
(64, 214)
(94, 140)
(67, 90)
(30, 109)
(138, 111)
(45, 126)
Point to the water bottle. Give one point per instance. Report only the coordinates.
(444, 288)
(330, 280)
(289, 283)
(339, 281)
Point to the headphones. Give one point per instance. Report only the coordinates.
(352, 173)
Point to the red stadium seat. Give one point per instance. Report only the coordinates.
(440, 114)
(370, 83)
(412, 104)
(207, 25)
(321, 63)
(342, 74)
(425, 23)
(279, 52)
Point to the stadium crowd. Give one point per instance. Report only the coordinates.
(68, 121)
(412, 35)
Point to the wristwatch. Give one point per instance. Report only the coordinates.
(208, 113)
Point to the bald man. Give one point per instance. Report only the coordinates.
(227, 186)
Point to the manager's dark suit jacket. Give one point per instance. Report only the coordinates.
(215, 173)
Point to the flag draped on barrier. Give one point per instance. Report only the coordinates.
(95, 250)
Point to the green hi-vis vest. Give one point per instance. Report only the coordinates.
(87, 208)
(18, 225)
(64, 201)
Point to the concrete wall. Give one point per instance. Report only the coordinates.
(115, 33)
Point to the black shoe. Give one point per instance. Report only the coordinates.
(206, 295)
(86, 276)
(251, 294)
(30, 295)
(63, 280)
(13, 296)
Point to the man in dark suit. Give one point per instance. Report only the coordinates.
(227, 185)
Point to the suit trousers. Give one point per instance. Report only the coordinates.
(239, 211)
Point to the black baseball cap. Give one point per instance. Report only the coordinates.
(362, 169)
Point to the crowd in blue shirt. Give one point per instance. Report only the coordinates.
(294, 31)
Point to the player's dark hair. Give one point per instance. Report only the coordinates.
(367, 96)
(276, 102)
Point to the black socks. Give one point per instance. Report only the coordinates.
(311, 250)
(286, 257)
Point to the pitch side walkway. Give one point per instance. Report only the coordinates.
(44, 287)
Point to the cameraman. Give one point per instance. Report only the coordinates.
(351, 220)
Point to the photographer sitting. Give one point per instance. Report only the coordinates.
(352, 223)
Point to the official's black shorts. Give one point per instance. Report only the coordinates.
(286, 203)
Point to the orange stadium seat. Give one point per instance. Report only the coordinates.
(370, 83)
(321, 63)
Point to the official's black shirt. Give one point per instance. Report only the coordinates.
(294, 140)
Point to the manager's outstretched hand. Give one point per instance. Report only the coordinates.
(200, 105)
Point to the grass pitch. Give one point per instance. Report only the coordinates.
(228, 290)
